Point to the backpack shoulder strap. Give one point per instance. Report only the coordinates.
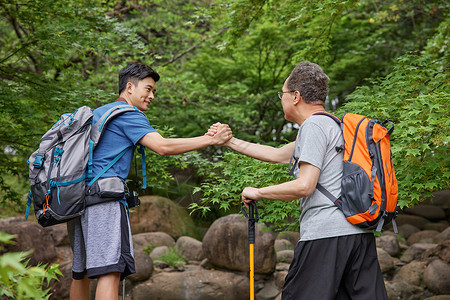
(102, 123)
(319, 187)
(336, 119)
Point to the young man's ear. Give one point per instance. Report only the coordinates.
(130, 87)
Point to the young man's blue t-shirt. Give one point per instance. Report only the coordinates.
(122, 132)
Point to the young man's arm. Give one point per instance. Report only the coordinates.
(172, 146)
(262, 152)
(301, 187)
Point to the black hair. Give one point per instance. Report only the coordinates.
(310, 80)
(134, 73)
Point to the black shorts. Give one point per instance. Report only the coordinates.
(344, 267)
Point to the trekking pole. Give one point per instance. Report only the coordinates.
(123, 289)
(252, 219)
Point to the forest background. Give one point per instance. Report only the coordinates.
(225, 60)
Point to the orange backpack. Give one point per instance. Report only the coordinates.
(369, 187)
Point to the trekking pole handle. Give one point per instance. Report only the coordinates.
(252, 219)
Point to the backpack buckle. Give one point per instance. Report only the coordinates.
(38, 161)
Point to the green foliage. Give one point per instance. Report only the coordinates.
(19, 281)
(172, 258)
(415, 96)
(224, 61)
(232, 174)
(147, 250)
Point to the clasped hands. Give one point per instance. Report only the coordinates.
(224, 134)
(221, 133)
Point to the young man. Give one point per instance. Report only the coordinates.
(333, 259)
(101, 238)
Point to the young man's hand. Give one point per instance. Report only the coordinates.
(212, 130)
(220, 134)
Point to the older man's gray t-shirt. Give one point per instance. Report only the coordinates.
(317, 139)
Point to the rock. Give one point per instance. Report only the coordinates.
(59, 234)
(444, 253)
(440, 297)
(403, 290)
(205, 264)
(226, 245)
(389, 243)
(440, 198)
(411, 273)
(443, 236)
(268, 292)
(161, 264)
(29, 236)
(430, 212)
(437, 277)
(279, 277)
(60, 289)
(416, 221)
(407, 229)
(159, 251)
(144, 267)
(291, 236)
(194, 285)
(441, 226)
(285, 256)
(425, 236)
(158, 214)
(415, 251)
(385, 260)
(189, 248)
(143, 240)
(283, 244)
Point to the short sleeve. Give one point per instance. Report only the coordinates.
(311, 145)
(134, 126)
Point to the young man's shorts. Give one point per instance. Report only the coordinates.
(101, 241)
(344, 267)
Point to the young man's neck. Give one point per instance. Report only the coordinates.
(124, 97)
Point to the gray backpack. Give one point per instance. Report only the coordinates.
(60, 171)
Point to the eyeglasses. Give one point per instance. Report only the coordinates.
(280, 94)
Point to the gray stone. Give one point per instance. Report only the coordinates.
(59, 234)
(159, 251)
(291, 236)
(269, 292)
(389, 243)
(189, 248)
(443, 236)
(403, 290)
(415, 251)
(424, 236)
(439, 297)
(285, 256)
(407, 229)
(439, 226)
(385, 260)
(412, 273)
(437, 277)
(280, 277)
(160, 214)
(226, 245)
(416, 221)
(430, 212)
(194, 285)
(143, 240)
(283, 244)
(29, 236)
(144, 267)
